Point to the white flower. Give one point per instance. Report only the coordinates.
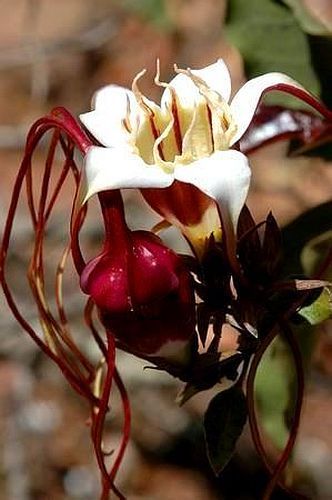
(188, 138)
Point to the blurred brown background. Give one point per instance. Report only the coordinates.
(57, 53)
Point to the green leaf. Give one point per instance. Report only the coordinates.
(270, 39)
(320, 50)
(223, 424)
(315, 252)
(306, 19)
(302, 231)
(274, 388)
(319, 310)
(306, 241)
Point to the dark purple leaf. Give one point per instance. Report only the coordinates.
(203, 320)
(275, 123)
(223, 424)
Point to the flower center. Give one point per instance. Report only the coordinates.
(178, 133)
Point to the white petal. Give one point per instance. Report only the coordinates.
(110, 97)
(116, 168)
(224, 176)
(108, 130)
(246, 100)
(215, 75)
(105, 122)
(217, 78)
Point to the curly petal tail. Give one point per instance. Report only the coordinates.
(66, 135)
(56, 340)
(98, 415)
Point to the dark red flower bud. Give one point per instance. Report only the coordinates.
(142, 289)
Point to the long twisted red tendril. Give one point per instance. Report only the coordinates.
(57, 341)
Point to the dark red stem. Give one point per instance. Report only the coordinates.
(293, 344)
(126, 423)
(117, 235)
(98, 421)
(276, 472)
